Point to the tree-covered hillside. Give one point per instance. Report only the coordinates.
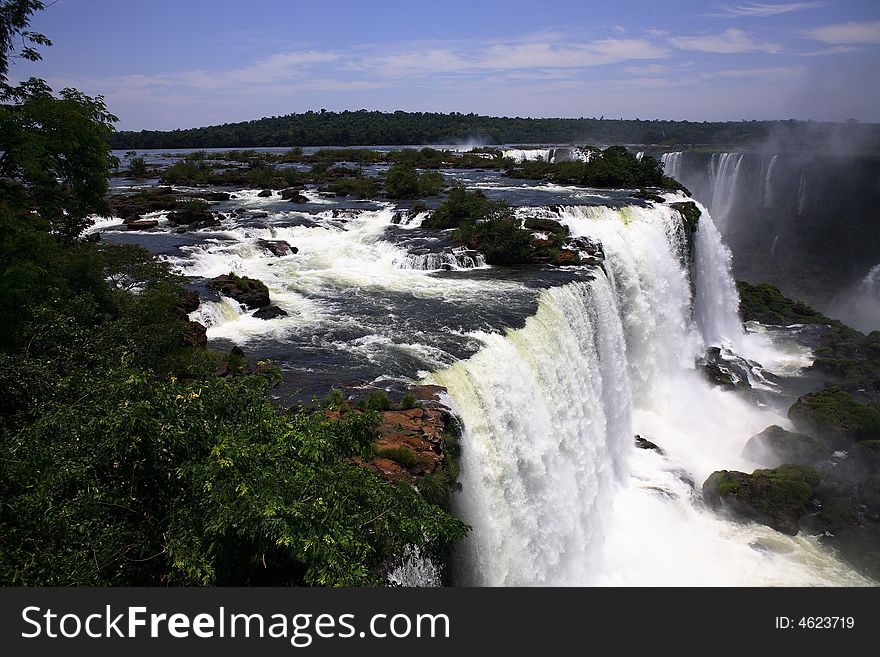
(407, 128)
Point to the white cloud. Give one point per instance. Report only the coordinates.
(776, 73)
(847, 34)
(763, 10)
(731, 41)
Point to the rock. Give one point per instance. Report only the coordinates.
(777, 498)
(545, 225)
(648, 196)
(241, 211)
(188, 217)
(643, 443)
(258, 215)
(248, 291)
(196, 335)
(428, 393)
(775, 446)
(293, 195)
(566, 257)
(722, 371)
(835, 416)
(266, 193)
(141, 224)
(270, 312)
(278, 248)
(217, 196)
(409, 444)
(237, 351)
(189, 300)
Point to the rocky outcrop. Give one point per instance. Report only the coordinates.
(266, 193)
(193, 218)
(410, 444)
(270, 312)
(247, 291)
(196, 335)
(278, 248)
(141, 224)
(775, 446)
(835, 416)
(293, 195)
(644, 443)
(777, 498)
(723, 371)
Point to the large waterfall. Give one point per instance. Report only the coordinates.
(723, 173)
(551, 482)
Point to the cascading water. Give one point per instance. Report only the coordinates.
(768, 190)
(859, 306)
(523, 154)
(453, 260)
(802, 190)
(723, 174)
(552, 485)
(672, 164)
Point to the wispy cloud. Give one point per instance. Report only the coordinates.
(772, 74)
(847, 34)
(763, 10)
(508, 56)
(731, 41)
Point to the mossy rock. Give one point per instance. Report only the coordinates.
(775, 446)
(690, 215)
(869, 492)
(777, 498)
(546, 225)
(766, 304)
(838, 513)
(834, 414)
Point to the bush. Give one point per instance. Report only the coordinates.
(501, 240)
(462, 207)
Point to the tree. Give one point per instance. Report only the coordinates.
(15, 16)
(56, 157)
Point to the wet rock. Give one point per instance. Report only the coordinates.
(278, 248)
(835, 416)
(217, 196)
(248, 291)
(266, 193)
(643, 443)
(258, 215)
(775, 446)
(270, 312)
(141, 224)
(196, 335)
(187, 217)
(189, 300)
(293, 195)
(777, 498)
(723, 371)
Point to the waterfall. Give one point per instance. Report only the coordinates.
(768, 191)
(672, 164)
(640, 155)
(802, 190)
(552, 485)
(454, 259)
(716, 302)
(859, 306)
(546, 411)
(723, 174)
(522, 154)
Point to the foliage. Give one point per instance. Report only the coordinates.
(462, 206)
(55, 155)
(366, 128)
(15, 16)
(403, 181)
(377, 400)
(501, 240)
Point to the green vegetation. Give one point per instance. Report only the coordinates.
(613, 167)
(834, 413)
(124, 459)
(402, 455)
(500, 239)
(403, 181)
(365, 128)
(463, 207)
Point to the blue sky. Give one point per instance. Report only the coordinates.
(174, 64)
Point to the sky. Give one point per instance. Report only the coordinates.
(169, 64)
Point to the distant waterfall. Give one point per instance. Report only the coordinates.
(523, 154)
(454, 259)
(768, 190)
(802, 190)
(723, 174)
(672, 164)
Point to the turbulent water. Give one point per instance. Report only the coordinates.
(552, 371)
